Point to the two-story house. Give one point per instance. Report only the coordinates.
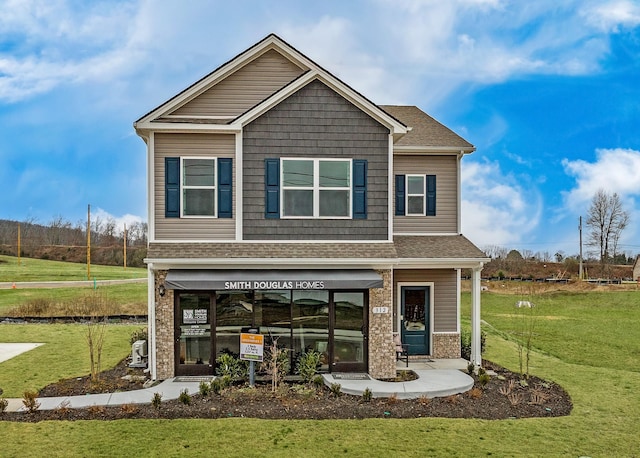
(280, 198)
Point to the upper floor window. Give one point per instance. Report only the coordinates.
(415, 195)
(198, 187)
(316, 188)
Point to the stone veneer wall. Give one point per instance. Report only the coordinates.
(382, 355)
(164, 327)
(446, 345)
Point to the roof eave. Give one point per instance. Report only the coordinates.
(280, 263)
(441, 263)
(433, 149)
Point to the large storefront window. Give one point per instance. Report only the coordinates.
(348, 328)
(311, 323)
(273, 315)
(234, 311)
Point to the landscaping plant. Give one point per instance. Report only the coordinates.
(308, 364)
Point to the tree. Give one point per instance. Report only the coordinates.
(606, 220)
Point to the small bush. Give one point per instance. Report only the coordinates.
(204, 388)
(30, 401)
(308, 365)
(393, 399)
(216, 386)
(471, 368)
(481, 371)
(94, 409)
(424, 400)
(475, 393)
(465, 343)
(185, 397)
(138, 334)
(336, 389)
(318, 381)
(156, 400)
(367, 394)
(229, 365)
(483, 379)
(3, 405)
(129, 409)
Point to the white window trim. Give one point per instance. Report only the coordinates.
(423, 195)
(316, 187)
(215, 187)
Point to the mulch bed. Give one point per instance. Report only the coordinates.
(502, 397)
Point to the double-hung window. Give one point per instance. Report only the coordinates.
(198, 187)
(415, 195)
(316, 188)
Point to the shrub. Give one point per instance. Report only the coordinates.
(367, 394)
(465, 343)
(475, 393)
(156, 400)
(308, 365)
(336, 389)
(318, 381)
(185, 397)
(471, 368)
(138, 334)
(3, 405)
(393, 399)
(424, 400)
(276, 363)
(204, 388)
(229, 365)
(216, 385)
(483, 379)
(129, 409)
(30, 401)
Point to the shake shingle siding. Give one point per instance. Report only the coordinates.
(315, 122)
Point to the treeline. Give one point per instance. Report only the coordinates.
(62, 240)
(496, 252)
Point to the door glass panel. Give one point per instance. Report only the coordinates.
(195, 329)
(273, 315)
(310, 323)
(414, 313)
(348, 338)
(234, 311)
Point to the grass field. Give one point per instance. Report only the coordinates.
(31, 269)
(130, 298)
(587, 342)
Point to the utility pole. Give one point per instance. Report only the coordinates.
(18, 243)
(580, 230)
(125, 246)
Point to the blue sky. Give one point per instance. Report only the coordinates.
(547, 91)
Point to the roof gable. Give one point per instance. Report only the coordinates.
(186, 107)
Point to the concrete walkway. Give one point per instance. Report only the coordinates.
(436, 378)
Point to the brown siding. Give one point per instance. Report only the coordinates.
(177, 145)
(445, 169)
(315, 122)
(245, 88)
(445, 295)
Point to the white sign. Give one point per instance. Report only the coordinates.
(381, 310)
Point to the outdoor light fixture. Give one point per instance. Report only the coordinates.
(161, 290)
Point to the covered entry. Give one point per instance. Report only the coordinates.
(331, 319)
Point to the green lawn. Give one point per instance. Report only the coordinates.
(584, 341)
(31, 269)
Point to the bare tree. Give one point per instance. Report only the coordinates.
(606, 220)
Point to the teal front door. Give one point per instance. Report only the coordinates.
(414, 325)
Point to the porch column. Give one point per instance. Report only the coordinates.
(476, 354)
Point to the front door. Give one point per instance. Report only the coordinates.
(414, 326)
(193, 334)
(347, 332)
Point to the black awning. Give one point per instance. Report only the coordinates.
(272, 279)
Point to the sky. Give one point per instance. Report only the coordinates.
(547, 91)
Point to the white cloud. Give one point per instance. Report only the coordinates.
(497, 209)
(101, 216)
(610, 16)
(614, 170)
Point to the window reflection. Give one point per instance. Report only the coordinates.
(310, 323)
(234, 311)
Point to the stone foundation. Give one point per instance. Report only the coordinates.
(446, 345)
(382, 354)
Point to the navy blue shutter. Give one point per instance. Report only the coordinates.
(225, 193)
(272, 188)
(172, 187)
(400, 195)
(359, 189)
(431, 195)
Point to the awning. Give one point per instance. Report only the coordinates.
(272, 279)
